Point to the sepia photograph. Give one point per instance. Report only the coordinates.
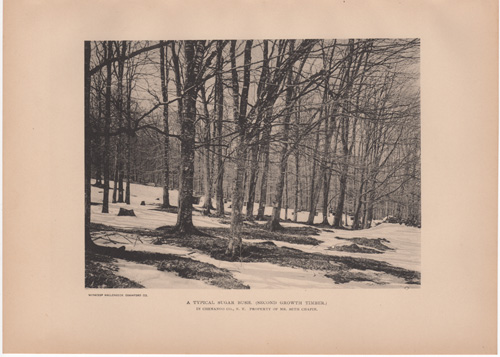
(253, 164)
(250, 177)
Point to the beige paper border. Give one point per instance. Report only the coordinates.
(47, 310)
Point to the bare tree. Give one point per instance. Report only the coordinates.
(240, 103)
(164, 69)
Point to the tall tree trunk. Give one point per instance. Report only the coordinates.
(89, 243)
(166, 139)
(129, 140)
(207, 172)
(356, 220)
(240, 113)
(326, 174)
(266, 139)
(326, 187)
(192, 54)
(313, 190)
(297, 188)
(237, 199)
(107, 124)
(369, 205)
(252, 183)
(97, 160)
(115, 177)
(219, 111)
(256, 147)
(369, 211)
(120, 183)
(286, 195)
(275, 219)
(127, 187)
(121, 66)
(337, 221)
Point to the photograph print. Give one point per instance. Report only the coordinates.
(252, 164)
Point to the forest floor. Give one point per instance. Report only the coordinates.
(140, 251)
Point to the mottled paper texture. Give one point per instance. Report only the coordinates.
(46, 308)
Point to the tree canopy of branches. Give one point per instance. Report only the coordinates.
(243, 121)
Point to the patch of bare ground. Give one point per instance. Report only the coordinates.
(184, 267)
(100, 272)
(345, 276)
(354, 248)
(376, 243)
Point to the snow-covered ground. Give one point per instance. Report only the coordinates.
(152, 278)
(152, 196)
(404, 240)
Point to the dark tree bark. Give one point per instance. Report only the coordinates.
(129, 140)
(107, 122)
(97, 153)
(337, 220)
(254, 164)
(313, 190)
(219, 111)
(118, 174)
(89, 243)
(207, 172)
(266, 140)
(275, 219)
(240, 116)
(252, 180)
(326, 172)
(297, 187)
(166, 139)
(193, 54)
(115, 176)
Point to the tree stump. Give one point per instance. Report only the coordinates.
(126, 212)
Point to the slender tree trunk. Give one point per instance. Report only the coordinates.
(119, 146)
(107, 118)
(115, 177)
(369, 207)
(120, 183)
(275, 220)
(89, 243)
(286, 195)
(97, 160)
(326, 187)
(355, 223)
(240, 113)
(256, 147)
(326, 174)
(253, 180)
(297, 188)
(129, 140)
(313, 190)
(207, 175)
(337, 221)
(166, 139)
(266, 138)
(219, 110)
(127, 187)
